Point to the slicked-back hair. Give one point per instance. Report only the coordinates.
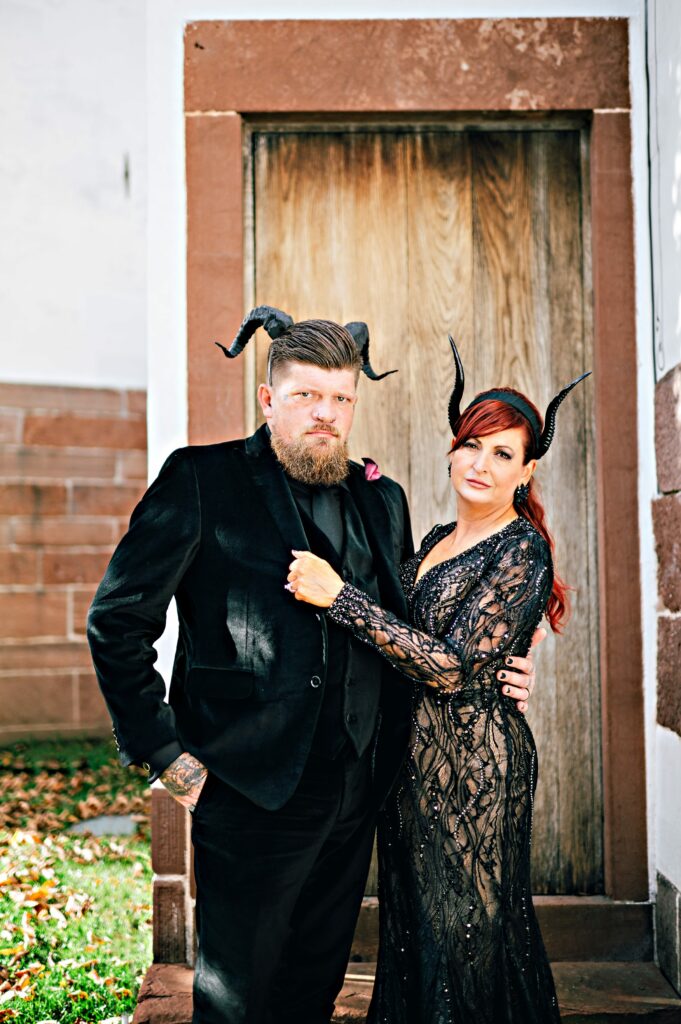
(319, 342)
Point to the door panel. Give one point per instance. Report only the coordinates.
(425, 232)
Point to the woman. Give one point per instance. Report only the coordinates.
(459, 938)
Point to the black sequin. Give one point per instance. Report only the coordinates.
(460, 943)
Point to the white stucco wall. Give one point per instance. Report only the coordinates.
(664, 61)
(72, 229)
(668, 808)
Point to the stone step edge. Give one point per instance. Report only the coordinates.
(590, 993)
(574, 928)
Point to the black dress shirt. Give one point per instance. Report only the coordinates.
(334, 527)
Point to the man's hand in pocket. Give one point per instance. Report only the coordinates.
(184, 779)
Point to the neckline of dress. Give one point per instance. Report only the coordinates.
(449, 527)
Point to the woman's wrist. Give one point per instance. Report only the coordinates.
(345, 606)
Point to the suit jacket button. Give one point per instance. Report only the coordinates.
(315, 682)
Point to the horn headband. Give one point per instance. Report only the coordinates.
(276, 322)
(542, 438)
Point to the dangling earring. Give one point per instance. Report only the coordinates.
(521, 494)
(449, 470)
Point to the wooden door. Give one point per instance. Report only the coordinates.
(483, 234)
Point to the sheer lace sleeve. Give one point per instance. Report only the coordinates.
(503, 606)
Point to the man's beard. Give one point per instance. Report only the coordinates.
(312, 463)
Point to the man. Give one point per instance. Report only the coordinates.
(281, 733)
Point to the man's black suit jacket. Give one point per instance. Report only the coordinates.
(215, 530)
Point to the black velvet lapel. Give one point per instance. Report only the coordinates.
(376, 519)
(274, 491)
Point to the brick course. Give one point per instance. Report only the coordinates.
(667, 527)
(105, 499)
(170, 852)
(668, 431)
(72, 467)
(668, 661)
(32, 499)
(170, 922)
(67, 430)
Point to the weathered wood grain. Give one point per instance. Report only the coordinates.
(479, 233)
(569, 724)
(440, 243)
(325, 248)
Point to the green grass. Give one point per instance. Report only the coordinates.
(49, 785)
(75, 910)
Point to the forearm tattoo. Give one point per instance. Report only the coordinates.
(184, 776)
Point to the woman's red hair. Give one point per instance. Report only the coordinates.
(493, 415)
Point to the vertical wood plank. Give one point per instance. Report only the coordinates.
(568, 857)
(331, 243)
(440, 246)
(530, 329)
(506, 315)
(547, 854)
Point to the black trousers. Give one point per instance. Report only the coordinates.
(278, 894)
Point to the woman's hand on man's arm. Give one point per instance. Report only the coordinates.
(313, 580)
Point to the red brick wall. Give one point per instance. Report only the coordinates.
(72, 465)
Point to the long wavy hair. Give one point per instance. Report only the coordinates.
(488, 417)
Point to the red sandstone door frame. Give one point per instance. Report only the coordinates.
(384, 69)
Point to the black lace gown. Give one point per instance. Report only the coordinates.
(460, 943)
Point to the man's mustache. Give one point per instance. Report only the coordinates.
(323, 426)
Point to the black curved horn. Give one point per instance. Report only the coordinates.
(360, 336)
(457, 391)
(273, 320)
(550, 418)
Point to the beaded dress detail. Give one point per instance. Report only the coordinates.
(460, 943)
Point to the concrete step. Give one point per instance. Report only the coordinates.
(573, 928)
(588, 993)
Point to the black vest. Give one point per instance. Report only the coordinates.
(347, 718)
